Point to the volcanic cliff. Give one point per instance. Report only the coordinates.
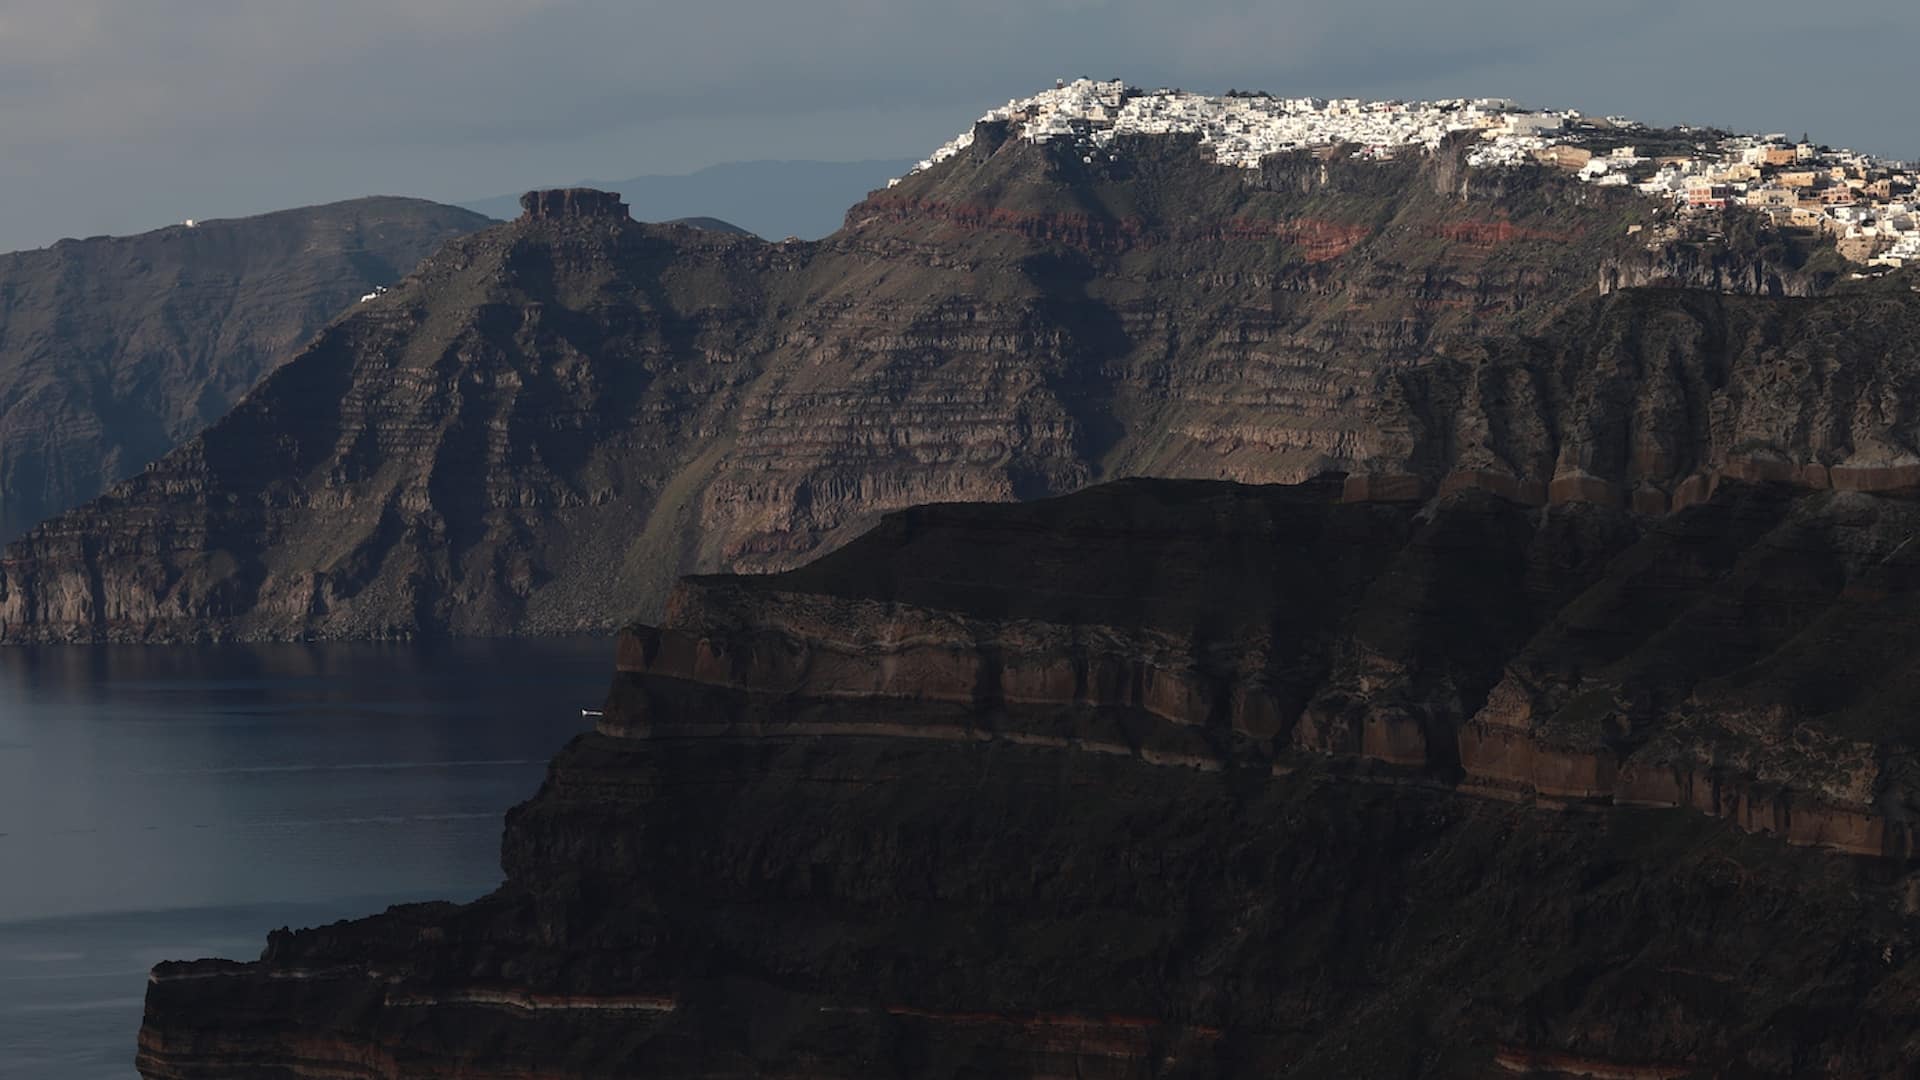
(115, 350)
(1183, 778)
(551, 420)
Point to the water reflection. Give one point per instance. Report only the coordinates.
(175, 802)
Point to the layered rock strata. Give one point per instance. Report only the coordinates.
(1191, 779)
(554, 419)
(115, 350)
(564, 203)
(1591, 703)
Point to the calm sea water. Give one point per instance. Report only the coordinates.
(173, 803)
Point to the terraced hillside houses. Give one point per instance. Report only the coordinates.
(1869, 206)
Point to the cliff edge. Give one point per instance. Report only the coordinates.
(116, 349)
(1192, 779)
(552, 420)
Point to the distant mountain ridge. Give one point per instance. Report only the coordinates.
(552, 419)
(771, 199)
(115, 349)
(711, 224)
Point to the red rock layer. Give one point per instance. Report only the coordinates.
(770, 638)
(1189, 779)
(553, 420)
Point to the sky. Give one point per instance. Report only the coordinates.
(123, 115)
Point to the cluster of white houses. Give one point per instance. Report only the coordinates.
(1870, 206)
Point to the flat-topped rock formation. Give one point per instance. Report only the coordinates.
(1192, 779)
(554, 419)
(559, 204)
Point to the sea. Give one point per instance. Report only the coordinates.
(166, 803)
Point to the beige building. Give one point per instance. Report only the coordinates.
(1572, 158)
(1707, 196)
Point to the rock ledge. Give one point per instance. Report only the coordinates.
(558, 204)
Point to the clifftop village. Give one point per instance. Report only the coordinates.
(1870, 206)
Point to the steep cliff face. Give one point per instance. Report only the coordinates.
(1191, 779)
(554, 419)
(115, 350)
(1644, 398)
(475, 448)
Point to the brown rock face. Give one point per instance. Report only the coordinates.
(1613, 698)
(554, 419)
(563, 203)
(115, 350)
(1190, 779)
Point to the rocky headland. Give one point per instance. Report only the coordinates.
(1508, 673)
(1192, 779)
(553, 419)
(115, 350)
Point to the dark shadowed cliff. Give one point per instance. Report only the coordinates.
(553, 418)
(115, 350)
(1189, 779)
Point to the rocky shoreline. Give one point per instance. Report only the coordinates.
(1189, 779)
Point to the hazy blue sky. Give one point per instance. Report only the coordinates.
(121, 115)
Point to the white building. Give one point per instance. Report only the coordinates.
(1242, 131)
